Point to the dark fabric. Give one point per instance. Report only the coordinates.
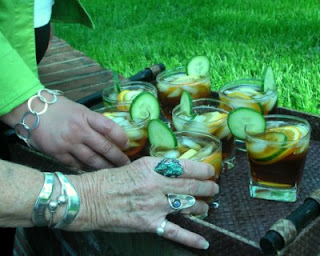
(7, 234)
(42, 36)
(7, 239)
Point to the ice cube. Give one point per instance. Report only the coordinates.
(257, 147)
(191, 89)
(223, 132)
(171, 154)
(190, 144)
(177, 92)
(204, 152)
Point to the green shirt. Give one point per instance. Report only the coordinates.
(18, 67)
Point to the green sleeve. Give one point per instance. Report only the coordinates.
(71, 11)
(17, 81)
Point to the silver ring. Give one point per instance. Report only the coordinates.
(169, 167)
(160, 230)
(179, 202)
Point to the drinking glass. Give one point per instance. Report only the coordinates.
(135, 130)
(129, 90)
(277, 158)
(199, 147)
(208, 116)
(248, 93)
(172, 82)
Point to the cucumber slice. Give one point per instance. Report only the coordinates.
(161, 136)
(241, 118)
(143, 105)
(198, 66)
(259, 151)
(186, 103)
(268, 80)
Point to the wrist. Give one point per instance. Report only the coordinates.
(56, 206)
(85, 185)
(26, 117)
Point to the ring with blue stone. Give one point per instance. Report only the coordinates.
(178, 201)
(169, 167)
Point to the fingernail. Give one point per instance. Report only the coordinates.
(126, 146)
(211, 171)
(217, 188)
(205, 244)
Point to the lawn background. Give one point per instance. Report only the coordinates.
(240, 37)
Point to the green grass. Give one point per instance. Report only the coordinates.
(240, 37)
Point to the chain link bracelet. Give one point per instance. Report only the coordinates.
(22, 129)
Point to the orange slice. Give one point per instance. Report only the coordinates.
(292, 132)
(274, 185)
(216, 161)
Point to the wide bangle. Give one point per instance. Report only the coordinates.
(39, 210)
(73, 201)
(22, 129)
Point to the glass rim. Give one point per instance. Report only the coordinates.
(128, 84)
(252, 137)
(140, 123)
(175, 111)
(216, 140)
(253, 100)
(177, 70)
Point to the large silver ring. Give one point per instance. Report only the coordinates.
(179, 202)
(169, 167)
(160, 230)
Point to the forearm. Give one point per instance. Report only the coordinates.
(15, 115)
(20, 187)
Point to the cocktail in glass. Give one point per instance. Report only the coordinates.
(171, 83)
(135, 130)
(208, 116)
(128, 91)
(277, 158)
(199, 147)
(249, 93)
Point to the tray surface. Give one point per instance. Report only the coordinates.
(251, 217)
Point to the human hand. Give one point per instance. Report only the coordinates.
(77, 136)
(133, 198)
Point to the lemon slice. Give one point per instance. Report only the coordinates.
(128, 95)
(243, 96)
(121, 95)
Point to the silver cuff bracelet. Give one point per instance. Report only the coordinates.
(73, 201)
(40, 206)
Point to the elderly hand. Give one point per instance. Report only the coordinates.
(134, 199)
